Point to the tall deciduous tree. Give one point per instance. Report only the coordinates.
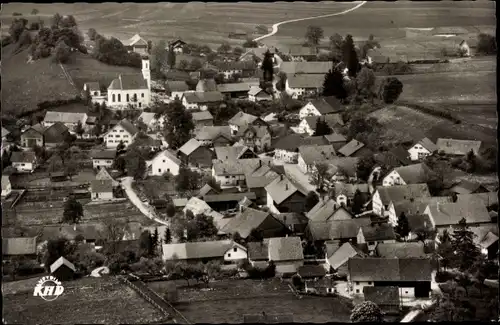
(320, 175)
(403, 227)
(365, 82)
(311, 200)
(179, 125)
(364, 167)
(349, 56)
(135, 164)
(336, 42)
(390, 90)
(187, 181)
(159, 56)
(268, 67)
(79, 129)
(322, 128)
(55, 249)
(168, 236)
(314, 34)
(171, 56)
(334, 85)
(462, 242)
(73, 211)
(367, 311)
(224, 48)
(357, 202)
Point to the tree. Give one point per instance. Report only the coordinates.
(357, 202)
(390, 89)
(187, 181)
(79, 129)
(159, 56)
(120, 164)
(73, 211)
(34, 12)
(63, 52)
(320, 175)
(114, 231)
(249, 43)
(143, 127)
(68, 22)
(334, 85)
(155, 238)
(92, 34)
(365, 167)
(403, 227)
(462, 242)
(447, 309)
(366, 311)
(281, 84)
(314, 34)
(349, 56)
(336, 42)
(55, 249)
(224, 48)
(487, 44)
(297, 282)
(237, 238)
(311, 200)
(168, 236)
(322, 128)
(183, 65)
(120, 148)
(170, 210)
(196, 65)
(179, 125)
(238, 51)
(268, 66)
(71, 168)
(365, 82)
(135, 164)
(146, 244)
(171, 56)
(17, 27)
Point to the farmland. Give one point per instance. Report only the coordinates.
(231, 299)
(84, 301)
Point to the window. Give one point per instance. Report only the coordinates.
(357, 282)
(371, 243)
(142, 95)
(95, 93)
(117, 136)
(357, 290)
(128, 98)
(125, 136)
(229, 255)
(108, 161)
(235, 249)
(168, 170)
(121, 130)
(140, 105)
(369, 283)
(159, 170)
(406, 292)
(113, 98)
(163, 160)
(119, 97)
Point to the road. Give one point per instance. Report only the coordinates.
(275, 26)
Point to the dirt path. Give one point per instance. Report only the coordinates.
(275, 26)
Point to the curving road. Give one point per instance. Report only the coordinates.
(275, 26)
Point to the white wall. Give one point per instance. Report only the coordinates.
(357, 287)
(235, 254)
(162, 164)
(120, 98)
(286, 156)
(102, 163)
(102, 196)
(229, 180)
(8, 189)
(189, 105)
(23, 167)
(393, 178)
(342, 199)
(304, 168)
(117, 133)
(308, 110)
(305, 128)
(270, 204)
(377, 205)
(418, 152)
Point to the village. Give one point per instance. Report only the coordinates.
(249, 168)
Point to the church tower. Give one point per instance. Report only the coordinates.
(146, 72)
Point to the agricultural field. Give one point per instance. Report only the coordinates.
(231, 299)
(84, 301)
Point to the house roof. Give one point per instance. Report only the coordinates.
(340, 256)
(63, 117)
(206, 85)
(212, 132)
(302, 50)
(457, 147)
(88, 231)
(258, 251)
(292, 218)
(321, 68)
(327, 105)
(261, 176)
(315, 154)
(488, 240)
(103, 154)
(333, 120)
(311, 271)
(135, 40)
(5, 132)
(93, 86)
(418, 222)
(236, 87)
(101, 186)
(282, 188)
(55, 133)
(168, 154)
(60, 262)
(389, 269)
(322, 211)
(176, 85)
(224, 197)
(285, 249)
(401, 250)
(289, 142)
(400, 155)
(237, 167)
(399, 193)
(246, 221)
(465, 187)
(242, 118)
(414, 174)
(307, 81)
(129, 82)
(428, 144)
(418, 204)
(382, 296)
(206, 189)
(488, 198)
(337, 229)
(259, 131)
(202, 116)
(103, 175)
(190, 146)
(198, 250)
(378, 232)
(451, 213)
(343, 165)
(235, 65)
(18, 245)
(232, 153)
(335, 137)
(351, 147)
(23, 156)
(350, 189)
(255, 90)
(198, 206)
(128, 126)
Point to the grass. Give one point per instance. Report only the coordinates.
(486, 63)
(231, 299)
(87, 300)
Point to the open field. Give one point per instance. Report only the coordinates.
(84, 301)
(477, 64)
(231, 299)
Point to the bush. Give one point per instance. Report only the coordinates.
(29, 267)
(6, 40)
(487, 44)
(444, 276)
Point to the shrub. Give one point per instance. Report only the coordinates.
(444, 276)
(487, 44)
(29, 267)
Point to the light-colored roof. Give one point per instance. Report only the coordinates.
(351, 147)
(306, 67)
(327, 105)
(18, 245)
(451, 213)
(135, 40)
(350, 189)
(231, 153)
(428, 144)
(198, 206)
(202, 116)
(343, 165)
(316, 154)
(63, 117)
(236, 87)
(242, 118)
(308, 81)
(285, 249)
(190, 146)
(147, 117)
(206, 85)
(342, 255)
(129, 82)
(246, 221)
(174, 85)
(488, 240)
(237, 167)
(259, 131)
(212, 132)
(414, 174)
(418, 205)
(60, 262)
(465, 187)
(335, 137)
(104, 175)
(282, 188)
(487, 199)
(399, 193)
(5, 132)
(198, 250)
(401, 250)
(457, 147)
(255, 90)
(169, 155)
(101, 186)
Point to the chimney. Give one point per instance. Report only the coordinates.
(281, 176)
(286, 187)
(260, 163)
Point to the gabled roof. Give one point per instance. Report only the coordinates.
(350, 189)
(282, 188)
(104, 175)
(389, 269)
(292, 218)
(327, 105)
(316, 154)
(236, 87)
(399, 193)
(289, 142)
(63, 117)
(401, 155)
(55, 133)
(88, 231)
(258, 251)
(5, 132)
(321, 68)
(206, 189)
(198, 250)
(457, 147)
(343, 254)
(311, 271)
(322, 210)
(232, 153)
(103, 154)
(488, 198)
(190, 146)
(23, 156)
(451, 213)
(414, 174)
(175, 85)
(169, 155)
(401, 250)
(129, 82)
(330, 212)
(60, 262)
(206, 85)
(135, 40)
(351, 147)
(127, 126)
(93, 86)
(261, 176)
(382, 296)
(337, 229)
(235, 65)
(101, 186)
(418, 204)
(259, 131)
(428, 144)
(488, 240)
(211, 133)
(255, 90)
(378, 232)
(335, 137)
(285, 249)
(465, 187)
(202, 116)
(225, 197)
(246, 221)
(19, 245)
(333, 120)
(307, 81)
(343, 165)
(242, 118)
(419, 222)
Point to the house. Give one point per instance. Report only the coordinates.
(344, 193)
(227, 201)
(239, 68)
(206, 190)
(201, 100)
(385, 195)
(226, 251)
(310, 156)
(243, 119)
(303, 53)
(153, 124)
(295, 222)
(194, 153)
(400, 250)
(326, 210)
(24, 161)
(457, 147)
(300, 67)
(101, 190)
(257, 94)
(234, 153)
(404, 175)
(55, 135)
(336, 140)
(336, 261)
(104, 175)
(489, 199)
(124, 132)
(198, 206)
(146, 142)
(257, 137)
(343, 169)
(131, 90)
(283, 195)
(136, 44)
(236, 90)
(320, 107)
(201, 119)
(411, 275)
(102, 158)
(337, 230)
(6, 186)
(304, 85)
(418, 223)
(447, 215)
(231, 173)
(311, 272)
(62, 269)
(255, 220)
(91, 233)
(354, 148)
(422, 149)
(214, 135)
(175, 89)
(308, 123)
(164, 162)
(93, 88)
(257, 179)
(286, 253)
(70, 120)
(376, 234)
(412, 206)
(286, 148)
(468, 187)
(206, 85)
(33, 136)
(177, 45)
(19, 246)
(387, 298)
(486, 239)
(258, 253)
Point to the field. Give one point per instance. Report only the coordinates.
(231, 299)
(84, 301)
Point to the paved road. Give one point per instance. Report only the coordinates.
(275, 26)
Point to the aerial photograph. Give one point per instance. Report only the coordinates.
(249, 162)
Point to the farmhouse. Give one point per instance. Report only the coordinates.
(302, 52)
(102, 158)
(412, 174)
(400, 250)
(309, 156)
(231, 173)
(308, 123)
(286, 148)
(303, 85)
(385, 195)
(354, 148)
(415, 206)
(422, 149)
(176, 89)
(131, 90)
(295, 222)
(375, 234)
(104, 175)
(285, 196)
(239, 68)
(286, 253)
(243, 119)
(228, 201)
(136, 44)
(336, 140)
(177, 45)
(336, 230)
(153, 124)
(214, 135)
(93, 88)
(101, 190)
(201, 100)
(336, 261)
(234, 153)
(226, 251)
(194, 153)
(55, 135)
(257, 94)
(457, 147)
(258, 253)
(124, 132)
(301, 67)
(467, 187)
(446, 215)
(325, 211)
(70, 120)
(63, 269)
(257, 180)
(319, 107)
(33, 136)
(257, 137)
(19, 246)
(164, 162)
(24, 161)
(255, 220)
(236, 90)
(201, 119)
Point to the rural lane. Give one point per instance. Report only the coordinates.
(275, 26)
